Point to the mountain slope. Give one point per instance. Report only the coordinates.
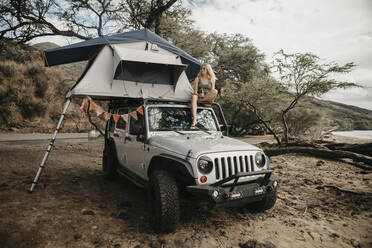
(343, 116)
(31, 95)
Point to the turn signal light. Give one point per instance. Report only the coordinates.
(203, 179)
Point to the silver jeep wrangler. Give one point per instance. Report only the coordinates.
(159, 151)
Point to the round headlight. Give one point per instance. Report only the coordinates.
(260, 159)
(205, 165)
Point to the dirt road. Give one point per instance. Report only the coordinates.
(78, 208)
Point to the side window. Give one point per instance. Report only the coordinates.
(136, 126)
(121, 124)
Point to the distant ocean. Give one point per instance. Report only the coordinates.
(359, 134)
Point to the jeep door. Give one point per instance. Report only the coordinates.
(119, 134)
(134, 146)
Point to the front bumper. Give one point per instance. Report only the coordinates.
(230, 192)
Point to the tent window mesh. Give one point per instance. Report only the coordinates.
(146, 72)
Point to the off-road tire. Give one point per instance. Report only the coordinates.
(265, 204)
(163, 197)
(109, 162)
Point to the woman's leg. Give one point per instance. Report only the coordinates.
(194, 102)
(210, 96)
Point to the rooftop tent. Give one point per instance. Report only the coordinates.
(88, 49)
(131, 70)
(137, 64)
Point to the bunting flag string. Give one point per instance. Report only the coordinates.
(92, 106)
(125, 117)
(99, 110)
(115, 117)
(140, 110)
(107, 116)
(134, 114)
(85, 101)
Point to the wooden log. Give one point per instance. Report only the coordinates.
(365, 149)
(354, 192)
(321, 153)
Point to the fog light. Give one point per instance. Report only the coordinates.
(203, 179)
(215, 194)
(275, 183)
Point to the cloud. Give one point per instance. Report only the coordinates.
(339, 31)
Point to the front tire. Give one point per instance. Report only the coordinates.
(163, 202)
(265, 204)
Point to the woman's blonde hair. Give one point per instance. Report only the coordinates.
(211, 75)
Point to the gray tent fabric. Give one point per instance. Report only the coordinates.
(86, 50)
(129, 70)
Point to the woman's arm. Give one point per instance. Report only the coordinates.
(196, 84)
(213, 82)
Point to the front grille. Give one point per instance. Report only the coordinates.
(229, 165)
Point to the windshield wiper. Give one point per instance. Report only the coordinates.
(202, 128)
(171, 129)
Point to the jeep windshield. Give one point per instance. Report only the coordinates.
(179, 118)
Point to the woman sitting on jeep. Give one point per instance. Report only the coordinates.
(204, 89)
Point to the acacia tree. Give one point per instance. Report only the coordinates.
(28, 19)
(262, 96)
(304, 74)
(234, 58)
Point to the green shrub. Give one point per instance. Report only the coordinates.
(301, 120)
(362, 125)
(34, 70)
(31, 107)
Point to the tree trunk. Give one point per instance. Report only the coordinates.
(271, 131)
(365, 149)
(285, 125)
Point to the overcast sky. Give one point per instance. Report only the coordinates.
(335, 30)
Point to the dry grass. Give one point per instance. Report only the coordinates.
(32, 96)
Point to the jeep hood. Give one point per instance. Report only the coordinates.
(199, 144)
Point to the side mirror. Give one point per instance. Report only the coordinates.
(225, 129)
(140, 138)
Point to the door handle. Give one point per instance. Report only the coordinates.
(116, 134)
(127, 138)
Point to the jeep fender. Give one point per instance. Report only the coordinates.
(176, 165)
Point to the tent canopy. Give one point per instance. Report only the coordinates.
(87, 50)
(134, 70)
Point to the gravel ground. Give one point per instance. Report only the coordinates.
(78, 208)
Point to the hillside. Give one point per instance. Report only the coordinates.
(345, 117)
(73, 69)
(32, 95)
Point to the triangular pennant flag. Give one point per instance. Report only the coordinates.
(107, 116)
(140, 110)
(85, 100)
(134, 114)
(92, 105)
(125, 117)
(116, 118)
(99, 110)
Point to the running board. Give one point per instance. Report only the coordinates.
(139, 183)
